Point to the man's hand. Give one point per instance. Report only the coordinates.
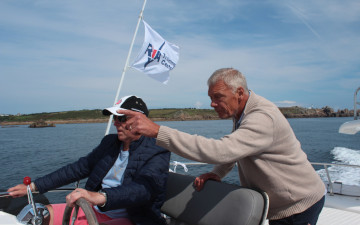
(138, 123)
(93, 198)
(200, 181)
(18, 191)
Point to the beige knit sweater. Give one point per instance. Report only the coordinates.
(268, 154)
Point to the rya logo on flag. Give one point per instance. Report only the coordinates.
(153, 54)
(157, 56)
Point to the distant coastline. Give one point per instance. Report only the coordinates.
(173, 114)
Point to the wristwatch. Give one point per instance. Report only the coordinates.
(104, 194)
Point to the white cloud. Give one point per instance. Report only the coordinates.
(286, 103)
(60, 49)
(198, 105)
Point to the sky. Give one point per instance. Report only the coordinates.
(63, 55)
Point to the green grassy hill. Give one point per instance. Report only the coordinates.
(89, 116)
(96, 116)
(66, 115)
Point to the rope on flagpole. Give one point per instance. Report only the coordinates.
(126, 65)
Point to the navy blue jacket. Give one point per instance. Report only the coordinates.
(143, 190)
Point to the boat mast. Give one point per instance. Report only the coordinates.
(126, 66)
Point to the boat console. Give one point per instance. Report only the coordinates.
(33, 213)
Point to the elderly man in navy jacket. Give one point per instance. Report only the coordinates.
(126, 182)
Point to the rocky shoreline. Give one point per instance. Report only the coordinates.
(299, 112)
(193, 114)
(96, 121)
(57, 122)
(4, 124)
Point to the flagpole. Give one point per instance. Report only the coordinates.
(126, 65)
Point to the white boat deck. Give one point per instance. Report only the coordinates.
(8, 219)
(340, 209)
(331, 216)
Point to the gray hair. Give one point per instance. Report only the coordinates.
(231, 77)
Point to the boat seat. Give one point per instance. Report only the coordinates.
(217, 204)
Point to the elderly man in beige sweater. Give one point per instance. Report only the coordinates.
(263, 145)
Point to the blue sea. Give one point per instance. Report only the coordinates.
(36, 152)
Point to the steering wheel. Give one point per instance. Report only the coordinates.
(89, 213)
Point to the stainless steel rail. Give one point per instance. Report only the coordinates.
(6, 194)
(325, 165)
(185, 164)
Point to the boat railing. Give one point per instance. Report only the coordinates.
(185, 165)
(326, 166)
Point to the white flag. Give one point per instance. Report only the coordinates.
(157, 56)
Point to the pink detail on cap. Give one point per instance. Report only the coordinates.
(118, 103)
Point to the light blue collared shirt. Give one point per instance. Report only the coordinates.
(114, 178)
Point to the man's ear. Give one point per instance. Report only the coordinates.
(240, 92)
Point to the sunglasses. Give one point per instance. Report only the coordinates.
(120, 119)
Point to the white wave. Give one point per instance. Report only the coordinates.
(346, 175)
(346, 155)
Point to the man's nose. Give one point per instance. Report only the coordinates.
(118, 124)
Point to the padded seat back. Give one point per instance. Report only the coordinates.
(217, 204)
